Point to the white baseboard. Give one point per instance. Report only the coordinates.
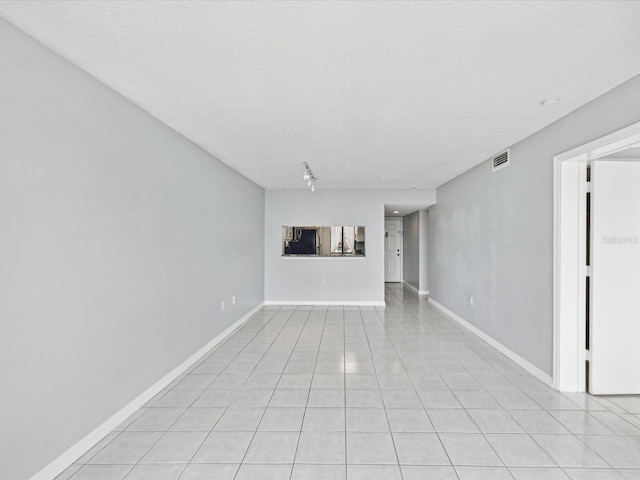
(65, 460)
(411, 287)
(529, 367)
(330, 303)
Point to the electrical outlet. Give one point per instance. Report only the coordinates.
(222, 307)
(233, 300)
(471, 301)
(324, 282)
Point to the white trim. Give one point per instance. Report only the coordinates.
(414, 289)
(568, 287)
(529, 367)
(323, 302)
(65, 460)
(612, 143)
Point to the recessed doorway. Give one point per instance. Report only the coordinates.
(573, 295)
(393, 249)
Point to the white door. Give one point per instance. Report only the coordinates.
(615, 294)
(393, 250)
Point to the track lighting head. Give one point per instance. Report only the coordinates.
(308, 176)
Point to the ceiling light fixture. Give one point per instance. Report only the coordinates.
(396, 211)
(308, 176)
(549, 101)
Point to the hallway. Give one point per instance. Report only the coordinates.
(369, 393)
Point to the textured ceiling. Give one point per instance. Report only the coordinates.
(371, 94)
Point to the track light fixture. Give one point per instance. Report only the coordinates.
(308, 176)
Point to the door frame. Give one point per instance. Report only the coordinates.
(569, 230)
(401, 221)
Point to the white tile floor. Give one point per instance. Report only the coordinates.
(366, 393)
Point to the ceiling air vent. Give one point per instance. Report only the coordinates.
(500, 160)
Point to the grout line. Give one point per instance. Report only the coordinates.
(427, 413)
(304, 413)
(386, 414)
(221, 373)
(291, 316)
(344, 373)
(404, 316)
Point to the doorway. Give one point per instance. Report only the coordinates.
(393, 249)
(572, 303)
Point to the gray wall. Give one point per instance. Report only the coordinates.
(424, 250)
(490, 235)
(411, 249)
(299, 279)
(119, 240)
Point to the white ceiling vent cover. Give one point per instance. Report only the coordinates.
(500, 160)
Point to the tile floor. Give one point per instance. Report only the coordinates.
(335, 393)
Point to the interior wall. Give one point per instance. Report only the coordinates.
(119, 240)
(354, 280)
(411, 249)
(424, 251)
(490, 235)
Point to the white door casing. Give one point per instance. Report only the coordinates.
(614, 367)
(393, 250)
(569, 210)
